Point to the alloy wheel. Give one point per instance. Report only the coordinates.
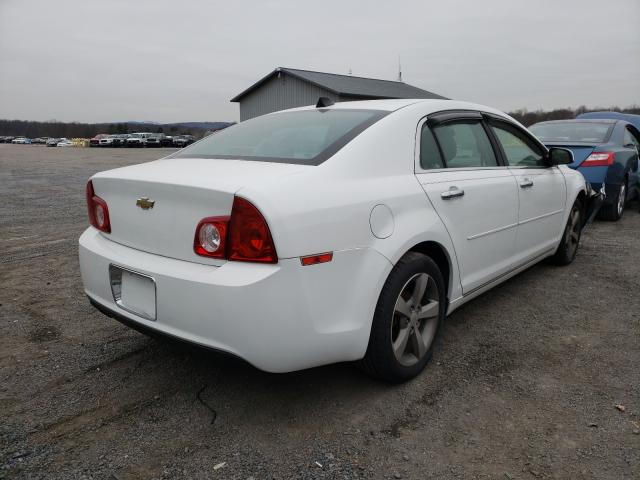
(415, 319)
(622, 197)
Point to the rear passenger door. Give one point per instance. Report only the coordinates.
(475, 196)
(541, 190)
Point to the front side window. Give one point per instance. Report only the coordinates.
(465, 144)
(306, 137)
(520, 152)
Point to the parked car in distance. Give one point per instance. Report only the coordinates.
(21, 140)
(40, 140)
(166, 141)
(107, 141)
(115, 140)
(321, 235)
(95, 141)
(182, 141)
(64, 143)
(122, 139)
(155, 140)
(53, 142)
(6, 139)
(138, 139)
(627, 117)
(605, 151)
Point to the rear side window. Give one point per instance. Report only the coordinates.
(465, 144)
(519, 150)
(306, 137)
(429, 154)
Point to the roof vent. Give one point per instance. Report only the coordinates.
(324, 102)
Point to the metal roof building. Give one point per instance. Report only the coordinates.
(289, 87)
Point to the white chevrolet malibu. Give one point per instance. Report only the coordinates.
(330, 233)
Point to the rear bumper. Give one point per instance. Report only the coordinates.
(595, 199)
(594, 175)
(279, 318)
(116, 315)
(610, 178)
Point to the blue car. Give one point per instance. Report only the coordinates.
(605, 152)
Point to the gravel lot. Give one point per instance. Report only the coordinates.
(524, 382)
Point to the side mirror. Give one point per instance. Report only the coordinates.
(560, 156)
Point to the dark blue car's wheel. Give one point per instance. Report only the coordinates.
(613, 209)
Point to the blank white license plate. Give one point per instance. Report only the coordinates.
(133, 292)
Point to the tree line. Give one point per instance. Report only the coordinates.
(32, 129)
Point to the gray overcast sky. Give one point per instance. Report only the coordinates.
(90, 60)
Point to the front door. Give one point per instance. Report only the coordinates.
(542, 191)
(476, 198)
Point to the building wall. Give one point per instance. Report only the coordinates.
(280, 94)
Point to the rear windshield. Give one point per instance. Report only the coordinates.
(590, 132)
(307, 137)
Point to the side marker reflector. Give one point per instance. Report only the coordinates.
(319, 258)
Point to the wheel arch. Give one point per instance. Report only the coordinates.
(582, 197)
(438, 253)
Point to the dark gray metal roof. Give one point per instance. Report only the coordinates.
(348, 85)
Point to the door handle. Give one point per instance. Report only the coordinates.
(453, 192)
(526, 183)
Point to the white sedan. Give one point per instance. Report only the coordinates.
(330, 233)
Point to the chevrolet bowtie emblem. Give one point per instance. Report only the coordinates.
(144, 203)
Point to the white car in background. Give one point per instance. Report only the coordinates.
(137, 139)
(117, 140)
(64, 143)
(328, 234)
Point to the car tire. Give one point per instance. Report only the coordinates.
(570, 242)
(613, 211)
(406, 324)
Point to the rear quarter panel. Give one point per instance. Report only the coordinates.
(328, 207)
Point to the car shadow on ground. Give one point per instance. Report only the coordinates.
(228, 387)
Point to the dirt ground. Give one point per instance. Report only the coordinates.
(524, 382)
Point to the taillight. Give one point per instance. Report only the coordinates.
(97, 210)
(211, 237)
(599, 159)
(242, 237)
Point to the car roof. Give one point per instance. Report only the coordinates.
(426, 105)
(604, 114)
(627, 117)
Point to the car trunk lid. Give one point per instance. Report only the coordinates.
(155, 207)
